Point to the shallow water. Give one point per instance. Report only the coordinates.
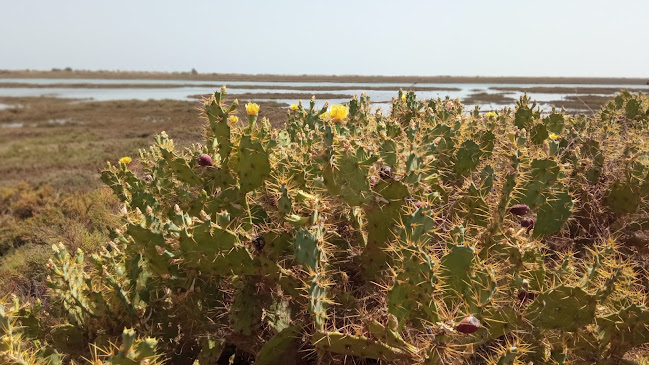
(192, 87)
(342, 85)
(12, 125)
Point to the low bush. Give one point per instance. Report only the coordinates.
(32, 219)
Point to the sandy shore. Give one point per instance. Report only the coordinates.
(280, 96)
(570, 90)
(485, 98)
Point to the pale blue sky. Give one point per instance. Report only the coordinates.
(398, 37)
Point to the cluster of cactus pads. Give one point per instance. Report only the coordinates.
(428, 235)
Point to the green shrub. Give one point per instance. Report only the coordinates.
(32, 219)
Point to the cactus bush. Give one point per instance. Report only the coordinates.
(424, 236)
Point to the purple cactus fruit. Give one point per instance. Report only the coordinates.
(519, 209)
(259, 242)
(419, 204)
(527, 222)
(385, 173)
(468, 325)
(524, 295)
(204, 160)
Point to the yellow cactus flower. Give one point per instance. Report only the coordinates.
(403, 97)
(553, 136)
(232, 120)
(125, 160)
(491, 115)
(338, 112)
(294, 107)
(252, 109)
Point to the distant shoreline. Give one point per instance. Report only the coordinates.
(228, 77)
(82, 85)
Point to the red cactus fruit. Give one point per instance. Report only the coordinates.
(373, 181)
(519, 209)
(205, 160)
(468, 325)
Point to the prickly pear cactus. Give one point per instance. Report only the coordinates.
(422, 235)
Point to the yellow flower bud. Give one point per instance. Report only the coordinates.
(324, 116)
(294, 107)
(252, 109)
(232, 120)
(125, 160)
(512, 137)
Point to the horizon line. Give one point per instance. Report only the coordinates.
(198, 73)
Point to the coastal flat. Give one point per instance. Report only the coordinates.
(66, 142)
(80, 74)
(126, 85)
